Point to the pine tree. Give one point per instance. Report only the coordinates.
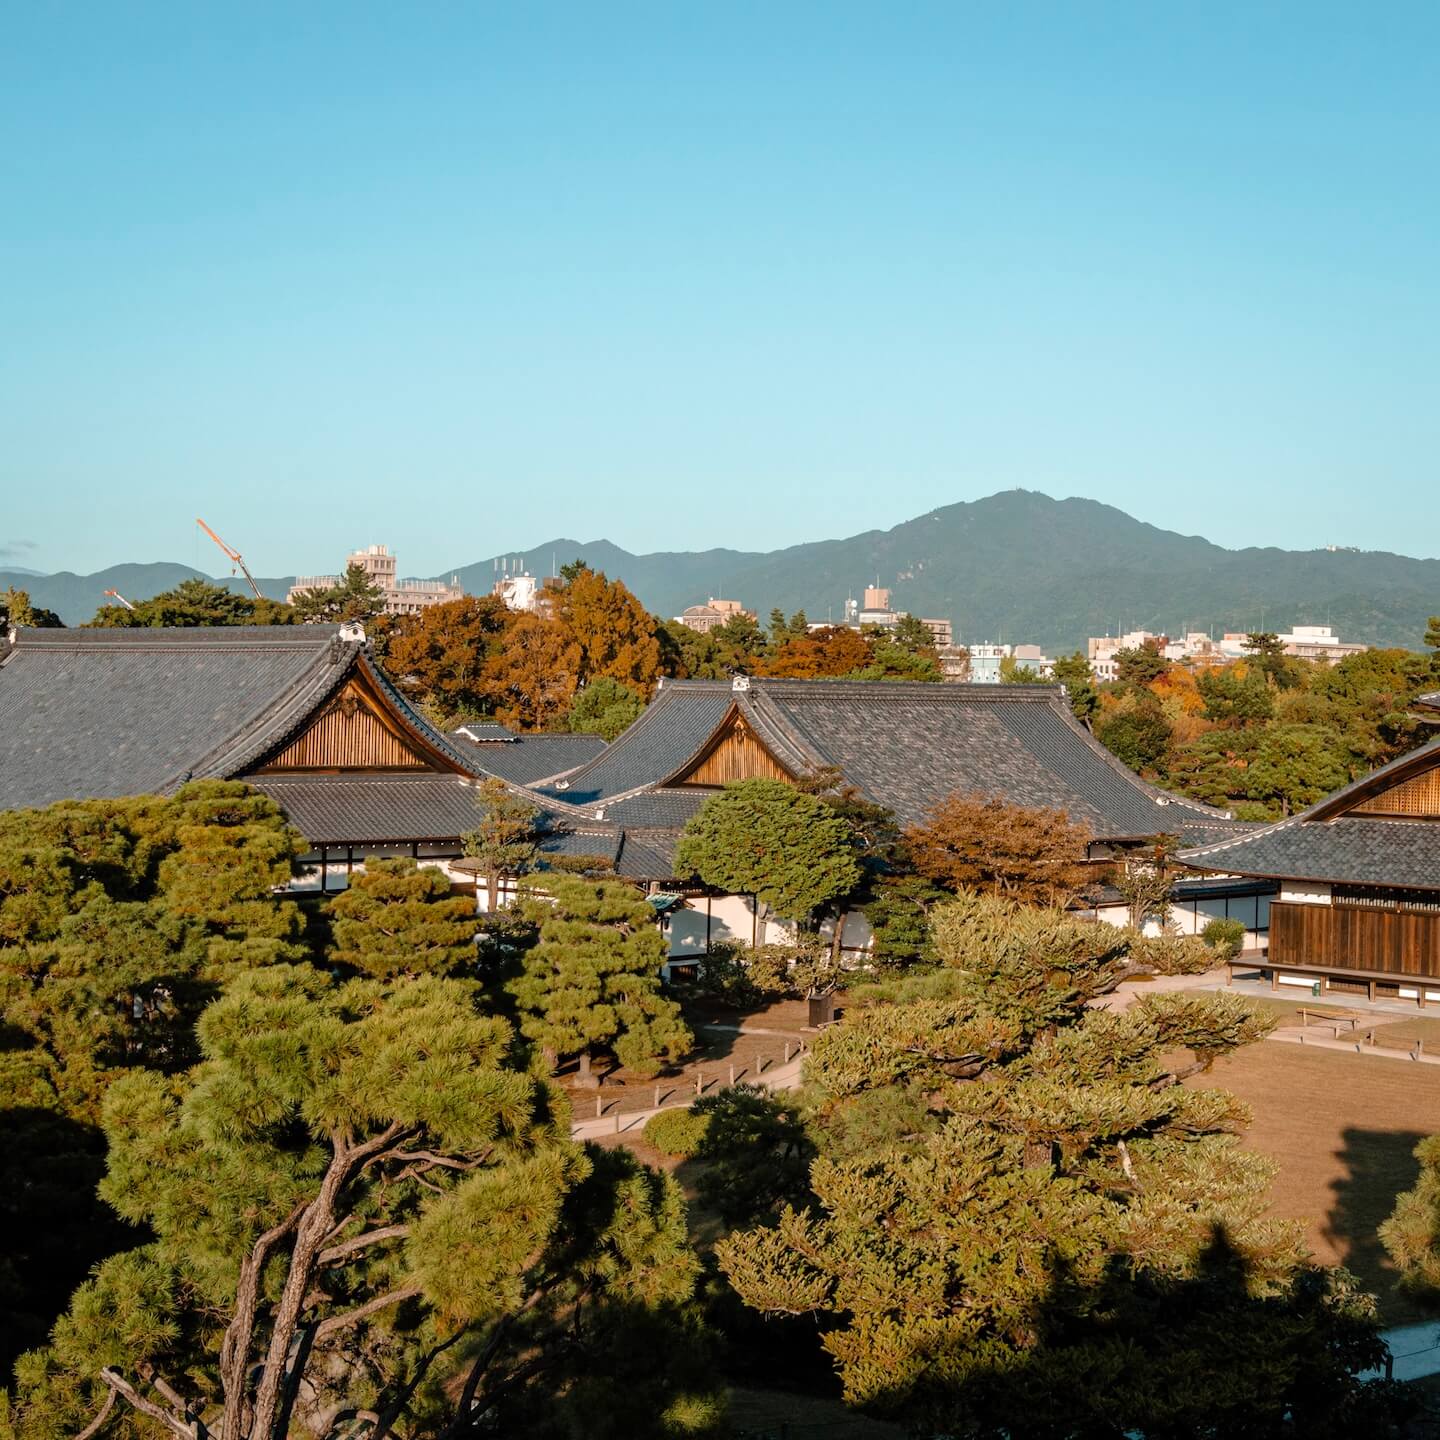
(399, 918)
(592, 981)
(1044, 1232)
(765, 838)
(1412, 1233)
(357, 1200)
(503, 840)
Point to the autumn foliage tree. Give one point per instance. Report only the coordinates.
(612, 629)
(531, 681)
(439, 656)
(984, 843)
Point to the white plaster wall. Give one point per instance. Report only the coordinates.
(1303, 893)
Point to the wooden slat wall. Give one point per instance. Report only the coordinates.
(737, 756)
(1420, 795)
(1338, 937)
(348, 735)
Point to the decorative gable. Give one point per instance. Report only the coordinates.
(355, 730)
(1418, 797)
(733, 752)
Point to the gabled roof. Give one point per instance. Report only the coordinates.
(906, 746)
(1335, 843)
(99, 713)
(127, 712)
(528, 759)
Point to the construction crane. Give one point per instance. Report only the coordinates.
(116, 595)
(234, 556)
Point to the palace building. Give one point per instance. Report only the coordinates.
(1357, 907)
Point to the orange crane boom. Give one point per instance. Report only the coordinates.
(116, 595)
(234, 555)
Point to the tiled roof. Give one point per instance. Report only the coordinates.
(126, 712)
(655, 809)
(905, 745)
(680, 718)
(482, 730)
(531, 759)
(1348, 850)
(374, 809)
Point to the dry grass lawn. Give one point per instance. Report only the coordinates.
(1341, 1127)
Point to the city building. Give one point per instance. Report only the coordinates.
(520, 590)
(704, 618)
(986, 661)
(402, 597)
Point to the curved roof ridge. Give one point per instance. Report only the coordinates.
(285, 713)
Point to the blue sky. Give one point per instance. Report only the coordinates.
(460, 277)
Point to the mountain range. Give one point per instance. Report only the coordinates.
(1016, 566)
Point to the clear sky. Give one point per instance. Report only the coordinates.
(462, 276)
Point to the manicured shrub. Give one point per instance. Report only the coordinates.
(1226, 936)
(677, 1131)
(1173, 954)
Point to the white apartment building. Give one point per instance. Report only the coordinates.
(985, 661)
(402, 597)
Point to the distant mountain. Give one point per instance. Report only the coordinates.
(1020, 566)
(1017, 566)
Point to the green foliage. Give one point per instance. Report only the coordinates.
(1075, 673)
(1013, 672)
(354, 597)
(592, 981)
(754, 1151)
(16, 609)
(1294, 766)
(398, 918)
(1169, 954)
(1140, 664)
(735, 976)
(605, 707)
(1412, 1233)
(1234, 700)
(1137, 734)
(504, 837)
(676, 1132)
(897, 909)
(361, 1165)
(1225, 936)
(765, 838)
(196, 602)
(1021, 1223)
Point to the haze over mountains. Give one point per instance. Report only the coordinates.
(1015, 566)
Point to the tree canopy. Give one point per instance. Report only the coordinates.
(399, 918)
(196, 602)
(985, 843)
(1021, 1223)
(768, 839)
(353, 597)
(591, 982)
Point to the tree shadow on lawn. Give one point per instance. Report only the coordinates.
(1378, 1165)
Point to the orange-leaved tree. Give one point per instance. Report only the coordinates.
(981, 842)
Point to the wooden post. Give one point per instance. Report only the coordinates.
(1370, 991)
(617, 1119)
(599, 1107)
(1419, 1046)
(732, 1074)
(1304, 1018)
(657, 1097)
(787, 1052)
(1274, 979)
(699, 1084)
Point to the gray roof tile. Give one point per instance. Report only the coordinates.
(1348, 850)
(532, 759)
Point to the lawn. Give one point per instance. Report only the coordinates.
(1342, 1128)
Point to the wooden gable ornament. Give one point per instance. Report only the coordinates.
(733, 752)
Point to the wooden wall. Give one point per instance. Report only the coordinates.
(1341, 937)
(736, 754)
(349, 734)
(1420, 795)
